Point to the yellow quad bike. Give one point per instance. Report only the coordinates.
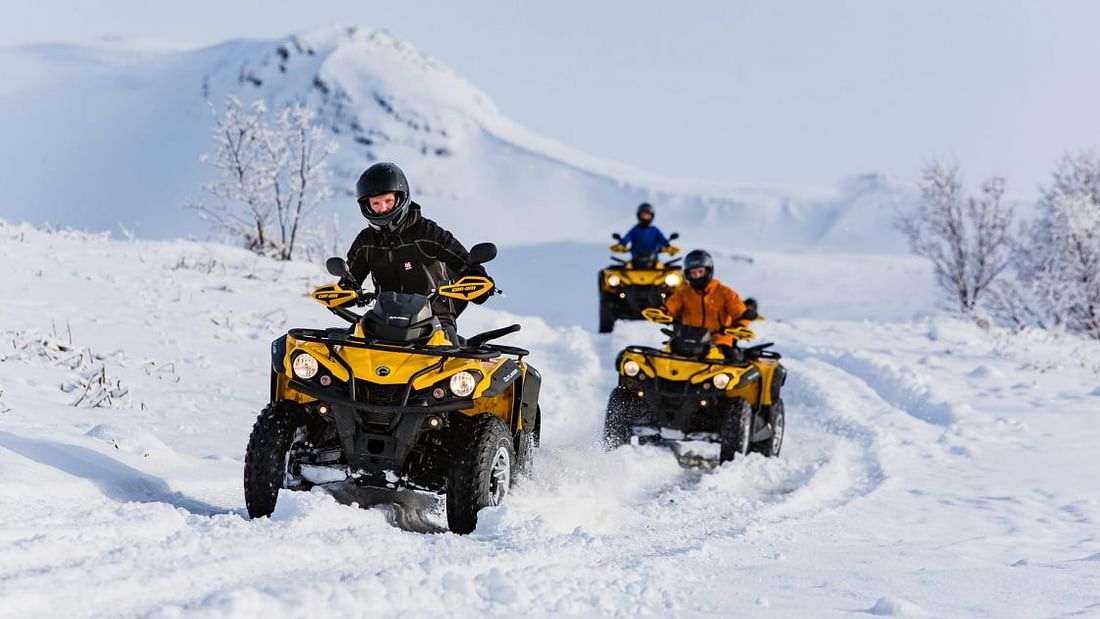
(396, 406)
(630, 286)
(708, 406)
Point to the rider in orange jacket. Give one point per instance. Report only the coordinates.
(705, 302)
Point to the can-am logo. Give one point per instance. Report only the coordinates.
(382, 370)
(408, 266)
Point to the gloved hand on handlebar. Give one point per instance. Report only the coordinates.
(479, 271)
(348, 283)
(750, 310)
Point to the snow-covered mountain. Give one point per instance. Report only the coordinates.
(99, 139)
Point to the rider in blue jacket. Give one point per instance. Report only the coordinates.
(644, 239)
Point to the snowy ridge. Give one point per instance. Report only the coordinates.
(137, 164)
(930, 467)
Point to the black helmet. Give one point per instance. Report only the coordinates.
(698, 258)
(378, 179)
(645, 207)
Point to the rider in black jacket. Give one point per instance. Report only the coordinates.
(402, 250)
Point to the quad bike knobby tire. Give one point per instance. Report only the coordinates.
(777, 420)
(481, 472)
(527, 441)
(616, 424)
(265, 460)
(607, 314)
(735, 431)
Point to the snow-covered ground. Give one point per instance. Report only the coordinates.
(931, 467)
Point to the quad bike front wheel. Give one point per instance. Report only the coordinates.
(481, 474)
(777, 420)
(616, 424)
(735, 431)
(277, 430)
(607, 315)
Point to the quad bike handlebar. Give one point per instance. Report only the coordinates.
(660, 316)
(620, 248)
(346, 293)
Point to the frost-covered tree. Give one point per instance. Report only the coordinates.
(271, 175)
(967, 238)
(1057, 265)
(297, 149)
(240, 155)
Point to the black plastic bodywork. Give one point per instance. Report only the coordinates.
(400, 318)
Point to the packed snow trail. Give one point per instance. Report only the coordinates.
(930, 466)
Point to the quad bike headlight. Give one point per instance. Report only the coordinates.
(721, 381)
(304, 366)
(673, 280)
(463, 383)
(631, 368)
(614, 280)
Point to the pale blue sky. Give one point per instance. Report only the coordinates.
(783, 93)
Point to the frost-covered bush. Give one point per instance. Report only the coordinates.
(87, 383)
(1056, 266)
(967, 238)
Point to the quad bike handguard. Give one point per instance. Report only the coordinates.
(468, 288)
(338, 297)
(739, 333)
(657, 315)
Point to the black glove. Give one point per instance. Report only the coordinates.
(750, 310)
(347, 282)
(485, 297)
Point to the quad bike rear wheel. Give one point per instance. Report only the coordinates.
(481, 474)
(735, 431)
(777, 420)
(616, 424)
(278, 429)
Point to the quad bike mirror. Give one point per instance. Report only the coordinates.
(657, 315)
(482, 253)
(336, 266)
(618, 237)
(674, 236)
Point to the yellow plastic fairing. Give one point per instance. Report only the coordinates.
(439, 338)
